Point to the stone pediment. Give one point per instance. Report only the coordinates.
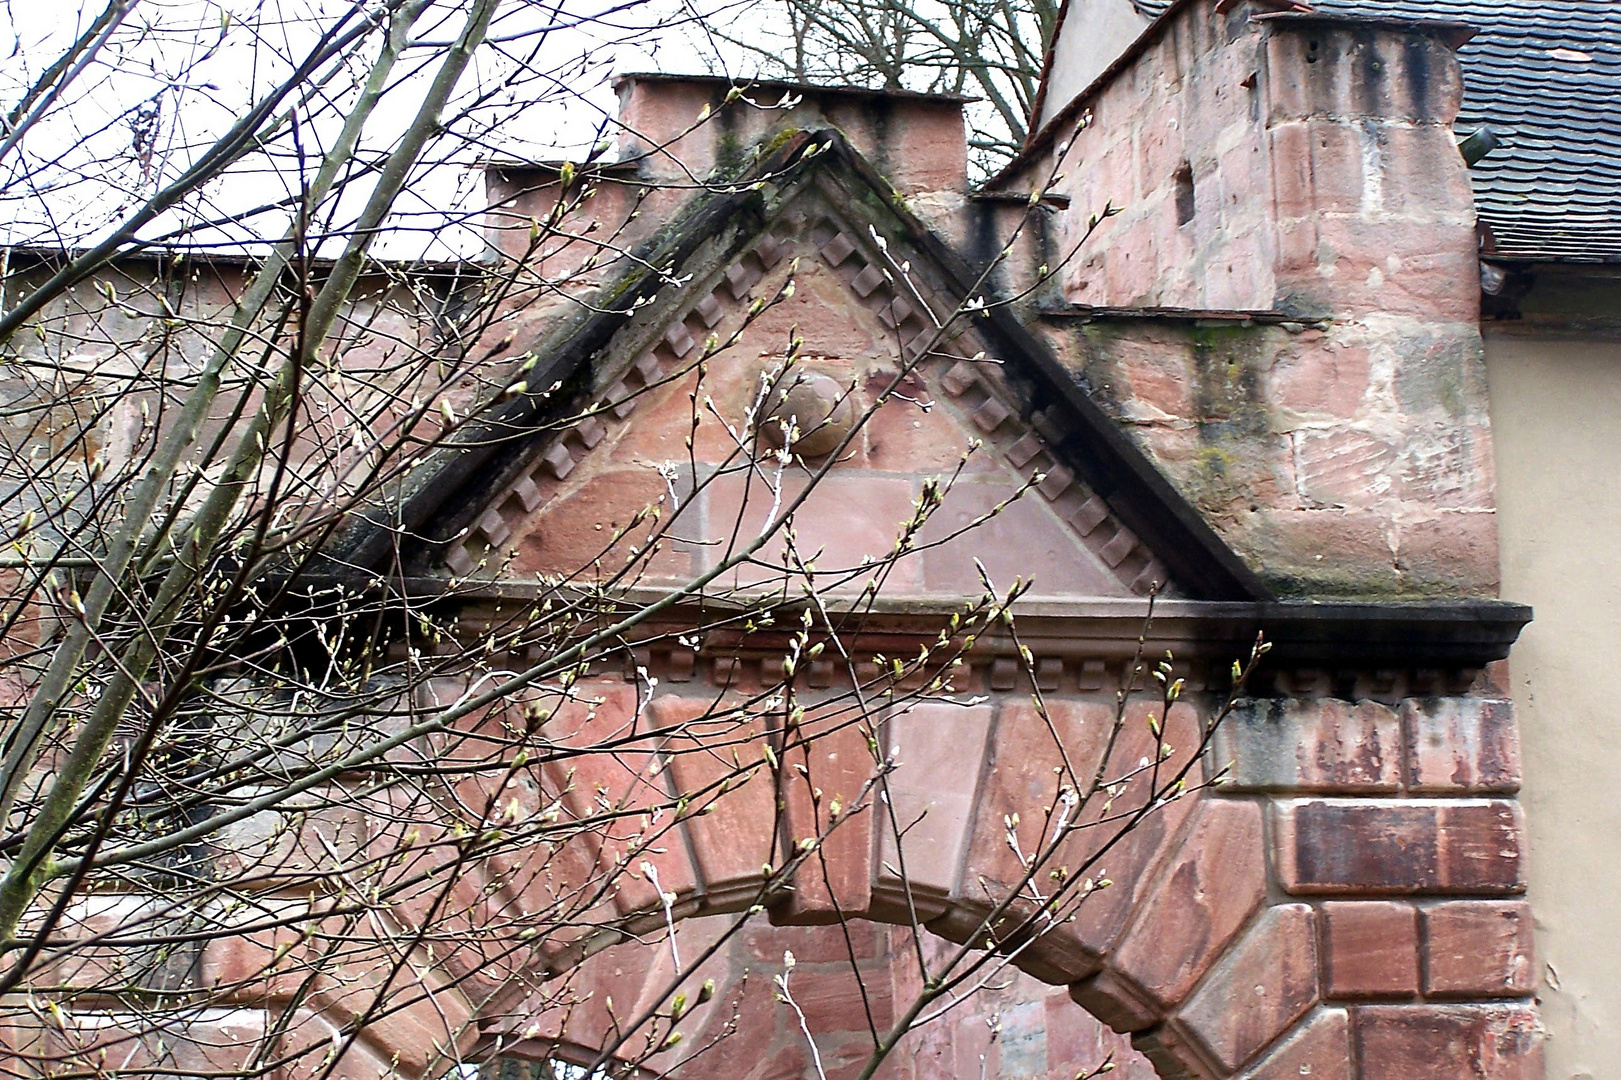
(651, 448)
(1008, 502)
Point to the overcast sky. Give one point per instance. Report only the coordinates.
(179, 72)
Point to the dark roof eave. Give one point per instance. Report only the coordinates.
(1332, 635)
(1196, 316)
(204, 257)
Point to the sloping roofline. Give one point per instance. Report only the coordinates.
(1094, 445)
(1449, 633)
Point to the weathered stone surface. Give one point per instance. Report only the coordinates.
(828, 763)
(1346, 459)
(733, 836)
(1319, 1049)
(1413, 846)
(1460, 1042)
(1372, 949)
(1203, 896)
(1461, 745)
(1261, 987)
(1479, 948)
(940, 749)
(1285, 744)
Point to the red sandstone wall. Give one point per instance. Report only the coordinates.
(1344, 446)
(1347, 905)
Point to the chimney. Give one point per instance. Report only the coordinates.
(692, 125)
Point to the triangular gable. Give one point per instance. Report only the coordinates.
(559, 513)
(1101, 523)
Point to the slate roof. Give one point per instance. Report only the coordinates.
(1545, 76)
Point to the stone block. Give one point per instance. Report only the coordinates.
(413, 1020)
(1440, 1042)
(199, 1042)
(613, 784)
(1413, 846)
(1026, 539)
(734, 822)
(1351, 71)
(1320, 1049)
(1289, 744)
(1203, 896)
(1339, 176)
(1344, 466)
(106, 942)
(1371, 949)
(1455, 550)
(833, 1003)
(926, 147)
(903, 437)
(849, 517)
(577, 530)
(265, 957)
(1479, 948)
(1394, 267)
(828, 760)
(940, 750)
(1290, 150)
(1461, 745)
(1159, 152)
(1030, 763)
(1259, 989)
(303, 838)
(1116, 1001)
(1313, 380)
(1423, 174)
(818, 944)
(1151, 380)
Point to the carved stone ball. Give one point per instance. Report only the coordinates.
(816, 406)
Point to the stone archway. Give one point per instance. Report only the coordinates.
(1344, 906)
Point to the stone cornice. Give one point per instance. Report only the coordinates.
(1435, 636)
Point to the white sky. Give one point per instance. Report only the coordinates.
(178, 72)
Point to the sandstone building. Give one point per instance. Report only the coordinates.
(1247, 369)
